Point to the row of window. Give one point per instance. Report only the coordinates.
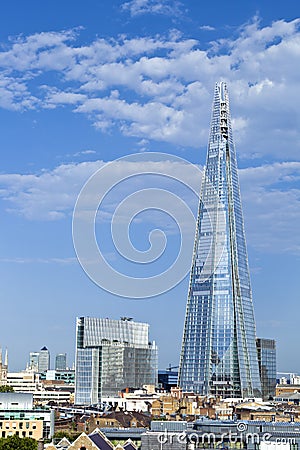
(5, 434)
(20, 425)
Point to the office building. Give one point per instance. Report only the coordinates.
(25, 381)
(167, 379)
(219, 354)
(67, 376)
(112, 355)
(3, 368)
(61, 361)
(266, 351)
(43, 387)
(34, 361)
(19, 416)
(44, 360)
(217, 434)
(39, 361)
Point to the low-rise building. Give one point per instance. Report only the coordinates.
(18, 416)
(201, 434)
(29, 381)
(135, 400)
(181, 404)
(289, 398)
(118, 419)
(67, 376)
(24, 381)
(286, 389)
(254, 411)
(45, 396)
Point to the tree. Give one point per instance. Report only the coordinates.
(67, 434)
(16, 443)
(6, 388)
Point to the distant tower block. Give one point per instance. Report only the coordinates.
(44, 360)
(61, 361)
(3, 368)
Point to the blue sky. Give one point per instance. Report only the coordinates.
(84, 83)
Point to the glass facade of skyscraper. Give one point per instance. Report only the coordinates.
(44, 360)
(61, 361)
(112, 355)
(219, 354)
(266, 351)
(34, 361)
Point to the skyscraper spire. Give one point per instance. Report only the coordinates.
(6, 358)
(218, 353)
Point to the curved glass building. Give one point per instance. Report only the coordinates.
(219, 355)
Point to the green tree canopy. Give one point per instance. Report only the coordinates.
(63, 433)
(6, 388)
(16, 443)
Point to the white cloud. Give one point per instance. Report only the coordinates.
(271, 200)
(49, 195)
(270, 197)
(61, 261)
(207, 28)
(55, 98)
(160, 87)
(86, 152)
(165, 7)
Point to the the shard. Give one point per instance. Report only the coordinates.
(219, 355)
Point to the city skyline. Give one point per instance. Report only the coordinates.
(81, 86)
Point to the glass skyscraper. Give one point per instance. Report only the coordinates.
(219, 355)
(266, 350)
(112, 355)
(44, 360)
(61, 361)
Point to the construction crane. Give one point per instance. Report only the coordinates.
(171, 367)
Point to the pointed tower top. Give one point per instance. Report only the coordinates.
(6, 358)
(222, 87)
(220, 128)
(0, 355)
